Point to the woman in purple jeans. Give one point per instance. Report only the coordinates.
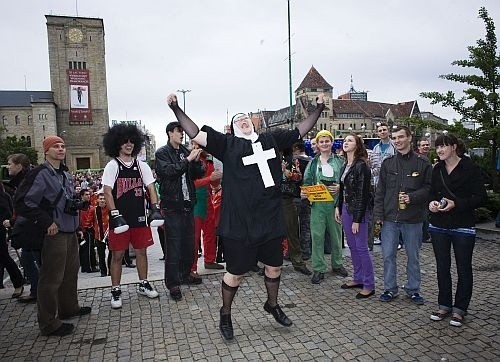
(353, 210)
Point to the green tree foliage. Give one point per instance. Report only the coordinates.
(480, 102)
(12, 145)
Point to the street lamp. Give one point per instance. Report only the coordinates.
(184, 91)
(290, 115)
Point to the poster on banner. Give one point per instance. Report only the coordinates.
(317, 193)
(79, 96)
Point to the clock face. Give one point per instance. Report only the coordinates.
(75, 35)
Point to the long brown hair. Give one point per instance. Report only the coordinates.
(360, 151)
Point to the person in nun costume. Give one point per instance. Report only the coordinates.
(251, 225)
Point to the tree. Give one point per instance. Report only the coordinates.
(11, 145)
(480, 102)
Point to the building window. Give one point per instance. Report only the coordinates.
(70, 65)
(79, 65)
(84, 65)
(28, 139)
(29, 120)
(16, 120)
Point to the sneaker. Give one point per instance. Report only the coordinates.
(377, 241)
(456, 320)
(388, 296)
(340, 271)
(417, 299)
(146, 289)
(439, 316)
(116, 299)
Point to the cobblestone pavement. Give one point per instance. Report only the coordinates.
(329, 323)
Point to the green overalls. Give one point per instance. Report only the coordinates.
(323, 216)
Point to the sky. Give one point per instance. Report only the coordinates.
(233, 54)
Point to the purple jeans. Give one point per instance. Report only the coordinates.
(358, 244)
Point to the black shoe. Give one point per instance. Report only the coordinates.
(79, 313)
(340, 271)
(317, 277)
(63, 330)
(306, 257)
(104, 274)
(351, 286)
(162, 258)
(303, 269)
(193, 279)
(175, 293)
(226, 326)
(93, 270)
(278, 314)
(364, 296)
(26, 299)
(131, 265)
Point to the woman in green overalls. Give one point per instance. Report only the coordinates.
(325, 168)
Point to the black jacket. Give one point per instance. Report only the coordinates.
(466, 184)
(355, 189)
(170, 165)
(410, 173)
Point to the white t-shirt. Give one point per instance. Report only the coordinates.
(111, 171)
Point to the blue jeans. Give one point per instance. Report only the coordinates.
(463, 246)
(412, 239)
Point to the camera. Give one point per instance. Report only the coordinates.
(72, 206)
(442, 203)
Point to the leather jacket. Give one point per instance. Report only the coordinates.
(169, 169)
(355, 190)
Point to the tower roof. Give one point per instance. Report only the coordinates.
(314, 80)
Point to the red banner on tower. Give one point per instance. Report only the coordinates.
(79, 96)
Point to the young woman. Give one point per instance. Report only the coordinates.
(352, 210)
(456, 190)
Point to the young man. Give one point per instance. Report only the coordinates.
(401, 197)
(251, 222)
(100, 220)
(46, 198)
(176, 168)
(125, 180)
(385, 148)
(423, 147)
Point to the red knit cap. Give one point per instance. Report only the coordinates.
(50, 141)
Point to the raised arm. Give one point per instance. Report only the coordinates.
(187, 124)
(307, 124)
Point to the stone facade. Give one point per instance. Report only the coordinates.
(78, 43)
(28, 115)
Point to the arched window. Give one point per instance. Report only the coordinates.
(28, 140)
(30, 118)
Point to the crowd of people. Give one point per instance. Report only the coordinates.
(243, 197)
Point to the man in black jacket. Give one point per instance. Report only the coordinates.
(400, 200)
(176, 168)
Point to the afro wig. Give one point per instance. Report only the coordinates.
(118, 135)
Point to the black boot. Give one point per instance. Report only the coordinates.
(226, 326)
(278, 314)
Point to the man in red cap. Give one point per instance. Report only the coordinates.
(45, 198)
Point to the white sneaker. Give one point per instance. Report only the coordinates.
(146, 289)
(377, 241)
(116, 299)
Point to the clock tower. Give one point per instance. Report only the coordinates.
(78, 81)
